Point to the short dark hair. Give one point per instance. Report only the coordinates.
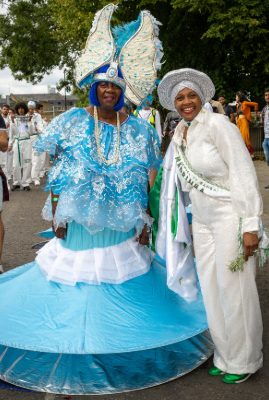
(6, 105)
(21, 105)
(221, 95)
(266, 90)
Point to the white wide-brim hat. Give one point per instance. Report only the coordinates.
(172, 79)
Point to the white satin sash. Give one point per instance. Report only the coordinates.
(176, 251)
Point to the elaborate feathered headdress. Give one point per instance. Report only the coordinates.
(133, 49)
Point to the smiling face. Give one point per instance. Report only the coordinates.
(108, 95)
(188, 104)
(266, 97)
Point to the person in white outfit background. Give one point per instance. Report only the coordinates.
(44, 157)
(151, 115)
(37, 127)
(7, 157)
(214, 166)
(20, 133)
(3, 148)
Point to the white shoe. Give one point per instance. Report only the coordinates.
(1, 269)
(37, 182)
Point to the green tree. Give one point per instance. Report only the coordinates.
(235, 34)
(27, 42)
(228, 39)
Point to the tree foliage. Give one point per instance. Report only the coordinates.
(235, 33)
(27, 42)
(228, 39)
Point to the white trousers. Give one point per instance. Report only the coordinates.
(44, 164)
(36, 160)
(9, 164)
(6, 162)
(22, 164)
(231, 298)
(3, 160)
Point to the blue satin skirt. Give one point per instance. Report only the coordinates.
(97, 339)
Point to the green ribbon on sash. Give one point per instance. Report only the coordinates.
(174, 220)
(154, 205)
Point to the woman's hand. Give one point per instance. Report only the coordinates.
(143, 238)
(60, 232)
(152, 177)
(251, 243)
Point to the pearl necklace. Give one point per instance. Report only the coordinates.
(101, 156)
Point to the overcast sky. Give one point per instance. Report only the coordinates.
(9, 85)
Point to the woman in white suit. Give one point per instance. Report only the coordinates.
(214, 166)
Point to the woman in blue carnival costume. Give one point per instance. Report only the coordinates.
(93, 313)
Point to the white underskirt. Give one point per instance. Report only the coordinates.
(113, 264)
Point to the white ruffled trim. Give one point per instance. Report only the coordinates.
(113, 264)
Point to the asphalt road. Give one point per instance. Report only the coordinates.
(22, 217)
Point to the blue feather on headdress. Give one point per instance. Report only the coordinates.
(147, 100)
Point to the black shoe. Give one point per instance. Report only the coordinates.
(266, 187)
(27, 188)
(15, 187)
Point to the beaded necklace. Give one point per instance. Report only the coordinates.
(101, 156)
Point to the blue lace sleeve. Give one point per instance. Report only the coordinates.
(150, 135)
(55, 133)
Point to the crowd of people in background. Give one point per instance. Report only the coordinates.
(23, 166)
(20, 165)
